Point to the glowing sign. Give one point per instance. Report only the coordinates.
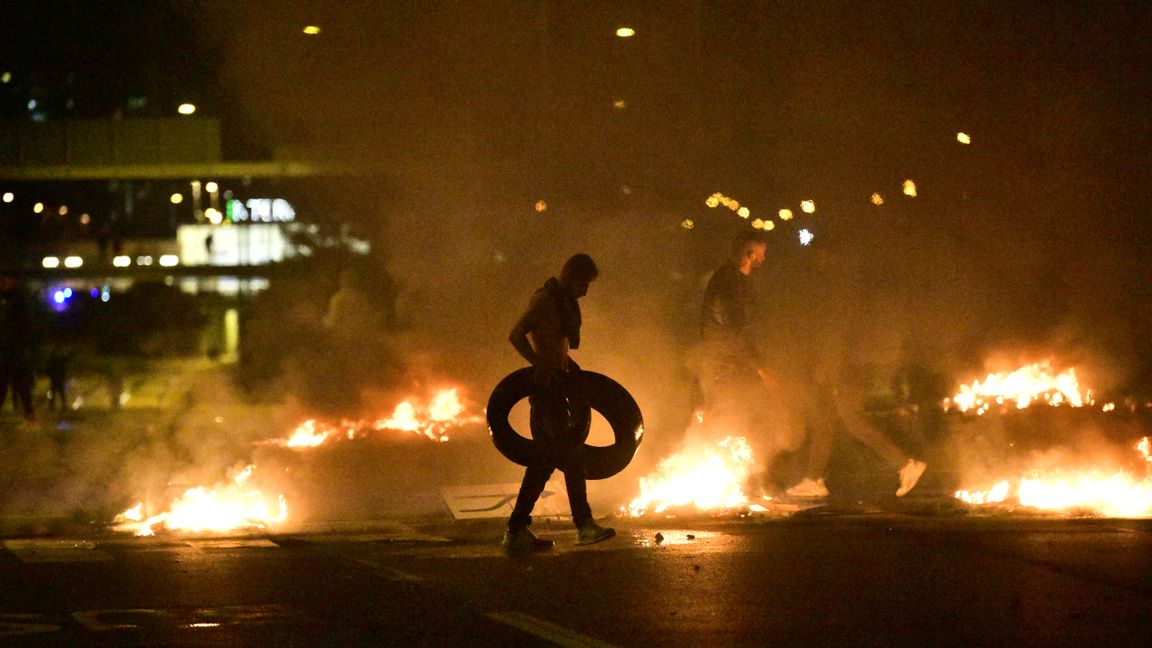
(260, 210)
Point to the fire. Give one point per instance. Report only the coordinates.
(306, 435)
(433, 420)
(234, 506)
(1032, 383)
(707, 478)
(1118, 494)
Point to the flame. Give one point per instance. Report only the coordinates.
(1027, 385)
(442, 413)
(1119, 494)
(307, 436)
(234, 506)
(707, 478)
(434, 420)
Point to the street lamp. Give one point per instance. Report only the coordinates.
(625, 32)
(186, 109)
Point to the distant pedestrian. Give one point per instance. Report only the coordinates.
(16, 372)
(56, 366)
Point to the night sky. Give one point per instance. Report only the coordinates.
(1036, 235)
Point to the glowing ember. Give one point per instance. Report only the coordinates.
(1118, 494)
(1031, 384)
(707, 478)
(235, 506)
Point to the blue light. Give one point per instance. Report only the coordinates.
(94, 293)
(67, 293)
(59, 297)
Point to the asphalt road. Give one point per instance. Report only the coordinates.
(820, 577)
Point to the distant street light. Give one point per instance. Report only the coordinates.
(625, 32)
(9, 196)
(311, 30)
(186, 109)
(177, 198)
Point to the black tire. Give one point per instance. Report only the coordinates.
(603, 394)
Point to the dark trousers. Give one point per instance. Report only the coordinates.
(562, 447)
(19, 379)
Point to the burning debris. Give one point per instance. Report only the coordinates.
(443, 413)
(1092, 489)
(1035, 383)
(707, 478)
(238, 505)
(1116, 494)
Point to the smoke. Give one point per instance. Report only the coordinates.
(467, 115)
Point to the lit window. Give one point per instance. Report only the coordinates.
(169, 260)
(625, 32)
(73, 262)
(50, 262)
(186, 109)
(122, 261)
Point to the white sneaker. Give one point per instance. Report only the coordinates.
(909, 475)
(809, 488)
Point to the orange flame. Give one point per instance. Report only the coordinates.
(1118, 494)
(707, 478)
(1029, 384)
(434, 421)
(231, 507)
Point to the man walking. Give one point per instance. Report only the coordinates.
(543, 335)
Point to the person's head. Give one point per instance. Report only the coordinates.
(748, 251)
(579, 271)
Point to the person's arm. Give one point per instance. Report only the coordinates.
(527, 322)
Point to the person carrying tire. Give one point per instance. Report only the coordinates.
(543, 335)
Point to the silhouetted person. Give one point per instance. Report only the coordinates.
(16, 371)
(730, 373)
(827, 393)
(56, 366)
(543, 335)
